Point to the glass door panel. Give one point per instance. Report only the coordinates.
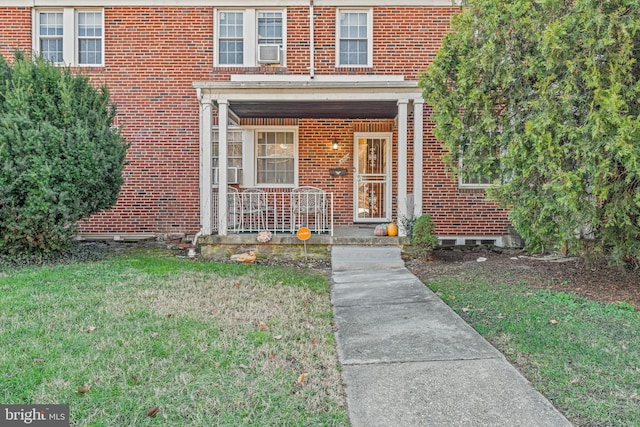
(372, 175)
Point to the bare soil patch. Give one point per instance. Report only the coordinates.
(594, 280)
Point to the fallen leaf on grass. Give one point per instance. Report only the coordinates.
(91, 329)
(272, 356)
(169, 316)
(315, 341)
(553, 321)
(277, 337)
(236, 284)
(84, 389)
(155, 335)
(302, 377)
(467, 308)
(151, 412)
(262, 326)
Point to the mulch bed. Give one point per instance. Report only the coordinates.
(595, 281)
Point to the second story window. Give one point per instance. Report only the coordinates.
(354, 39)
(89, 38)
(231, 39)
(250, 37)
(69, 36)
(51, 35)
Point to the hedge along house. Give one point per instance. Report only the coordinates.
(283, 95)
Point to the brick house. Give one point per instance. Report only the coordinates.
(281, 94)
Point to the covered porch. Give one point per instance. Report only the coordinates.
(324, 154)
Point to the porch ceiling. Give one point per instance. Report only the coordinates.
(316, 109)
(315, 99)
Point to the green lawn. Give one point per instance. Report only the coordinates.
(583, 356)
(209, 344)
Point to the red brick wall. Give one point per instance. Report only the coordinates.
(455, 211)
(405, 40)
(154, 54)
(15, 30)
(152, 57)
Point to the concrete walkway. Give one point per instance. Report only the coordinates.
(409, 360)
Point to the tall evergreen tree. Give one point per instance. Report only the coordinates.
(546, 95)
(61, 157)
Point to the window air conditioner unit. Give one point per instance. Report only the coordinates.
(269, 54)
(232, 176)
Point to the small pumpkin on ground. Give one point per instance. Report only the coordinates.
(380, 230)
(392, 229)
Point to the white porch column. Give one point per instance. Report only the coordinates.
(223, 121)
(418, 120)
(402, 164)
(206, 177)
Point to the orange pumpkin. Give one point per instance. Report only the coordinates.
(392, 229)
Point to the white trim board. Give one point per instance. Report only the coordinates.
(228, 3)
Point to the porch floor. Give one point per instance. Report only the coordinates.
(361, 234)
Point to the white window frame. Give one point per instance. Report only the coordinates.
(250, 36)
(39, 38)
(78, 37)
(288, 129)
(70, 40)
(369, 13)
(463, 184)
(215, 138)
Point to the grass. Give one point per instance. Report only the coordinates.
(210, 344)
(583, 356)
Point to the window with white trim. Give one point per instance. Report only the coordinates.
(470, 179)
(250, 37)
(275, 158)
(89, 38)
(234, 156)
(70, 36)
(231, 38)
(51, 30)
(354, 46)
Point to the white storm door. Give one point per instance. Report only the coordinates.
(372, 178)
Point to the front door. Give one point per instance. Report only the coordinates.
(372, 177)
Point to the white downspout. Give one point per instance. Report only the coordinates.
(312, 48)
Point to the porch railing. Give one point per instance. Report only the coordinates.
(279, 211)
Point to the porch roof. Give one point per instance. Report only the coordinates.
(311, 98)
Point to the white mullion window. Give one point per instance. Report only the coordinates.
(234, 156)
(354, 45)
(240, 33)
(51, 36)
(90, 38)
(270, 27)
(276, 164)
(69, 37)
(466, 179)
(270, 36)
(231, 37)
